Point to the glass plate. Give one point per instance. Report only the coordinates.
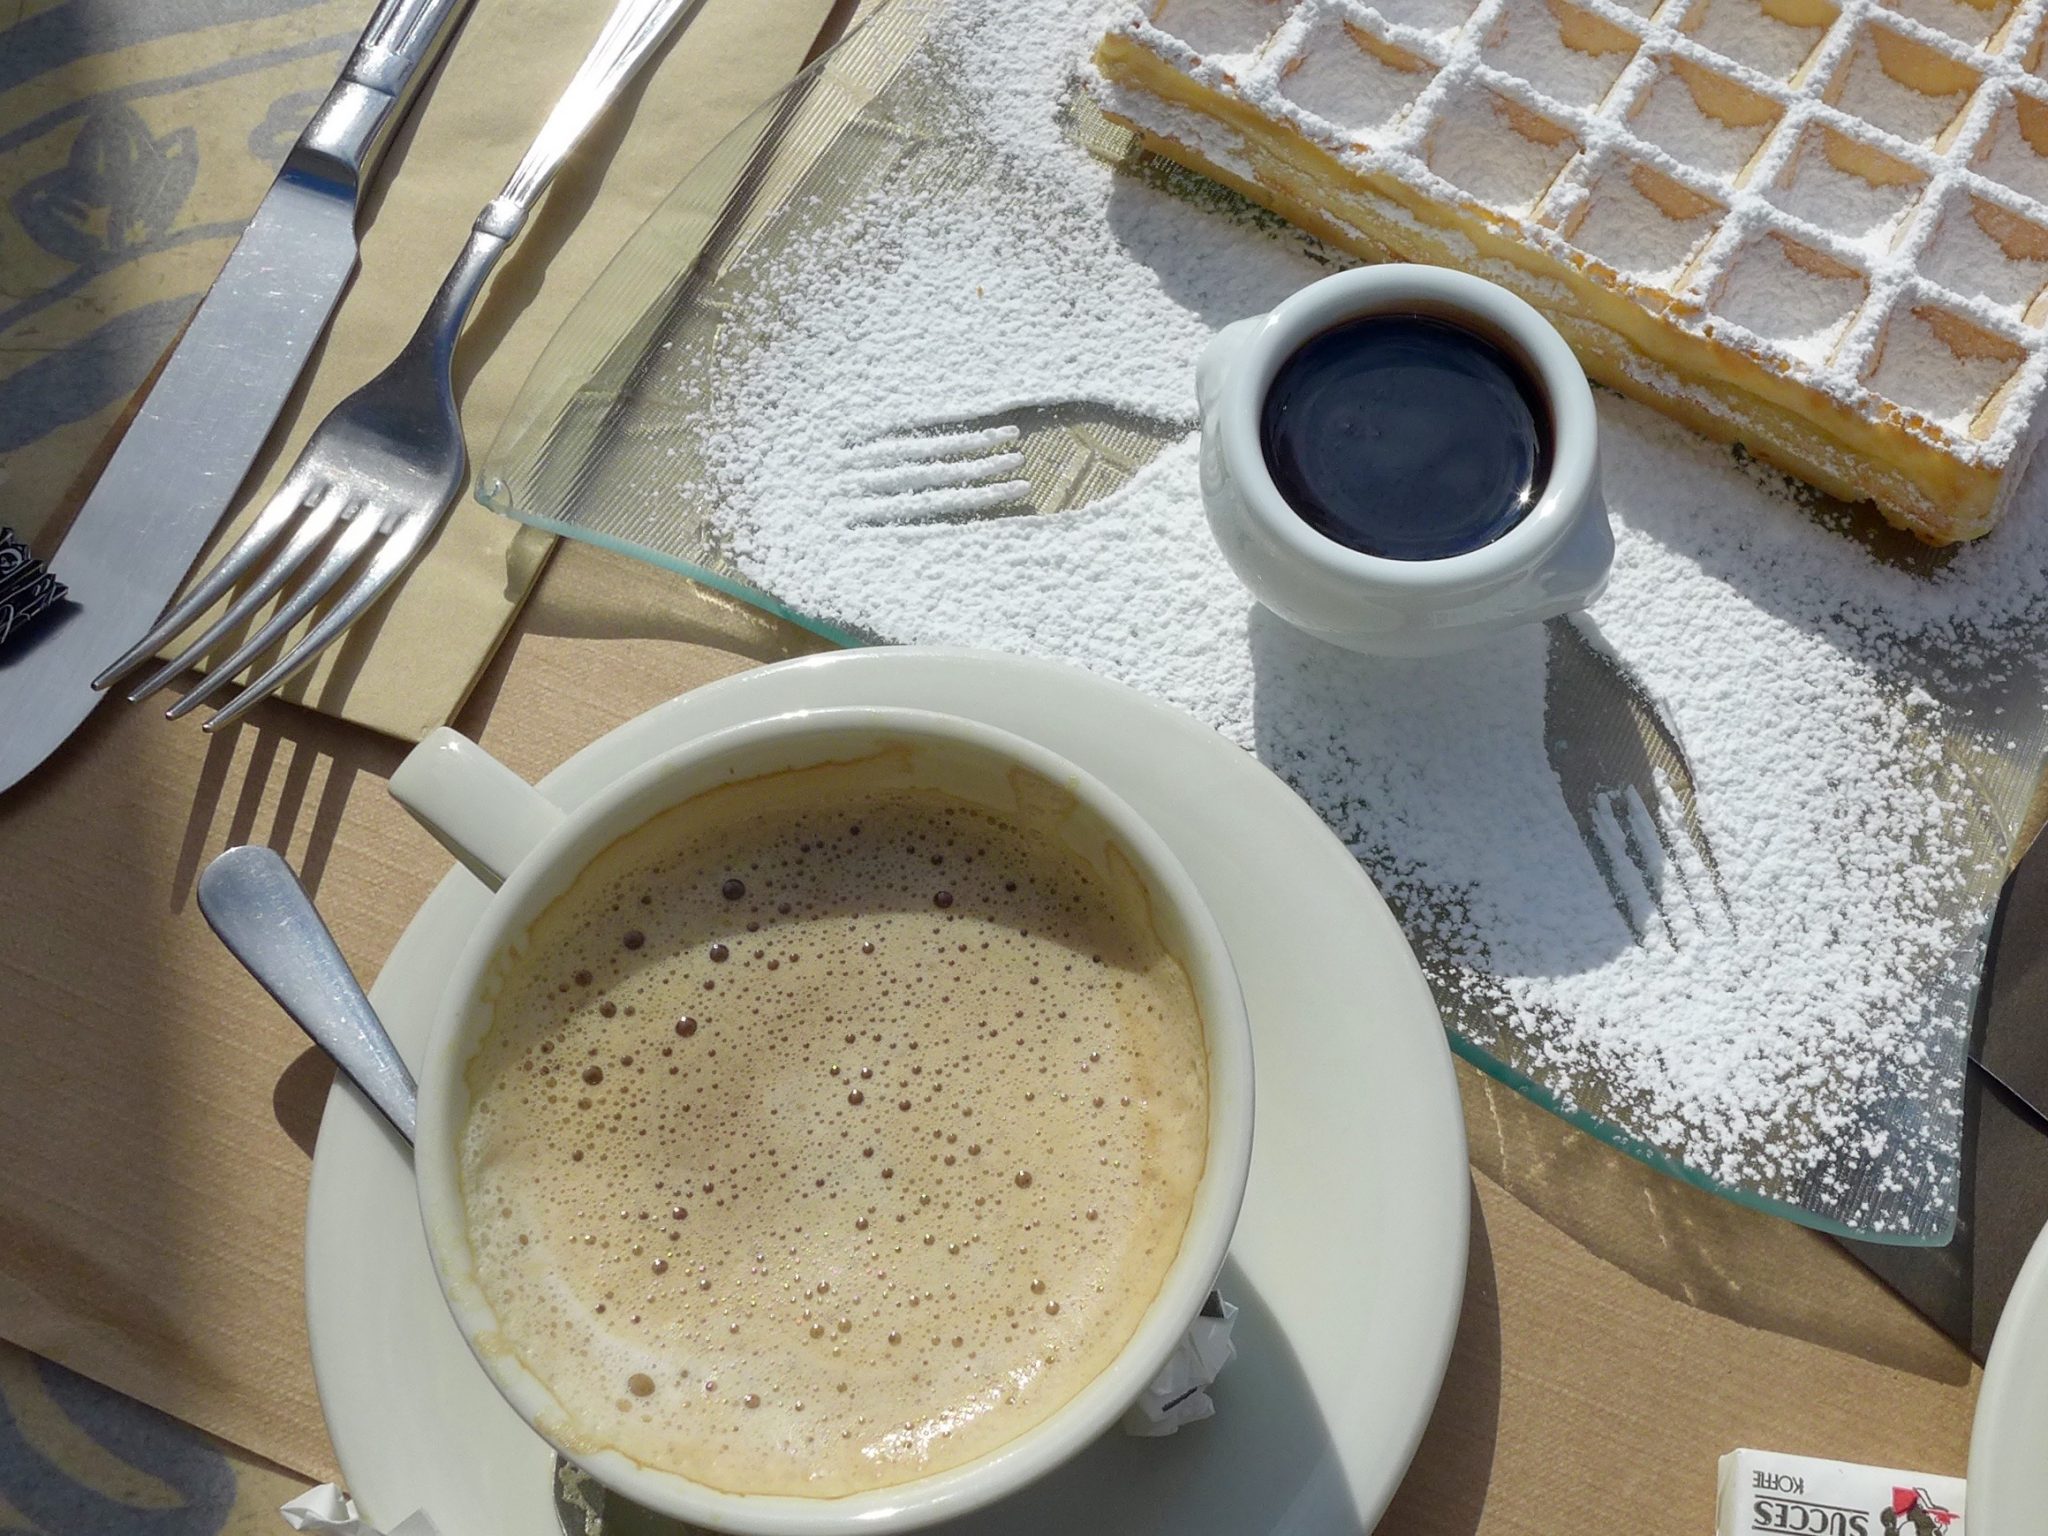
(609, 439)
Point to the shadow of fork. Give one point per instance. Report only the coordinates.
(1629, 788)
(1624, 775)
(1030, 459)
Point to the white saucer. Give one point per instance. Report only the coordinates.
(2008, 1482)
(1348, 1262)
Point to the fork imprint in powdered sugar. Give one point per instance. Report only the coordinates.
(1661, 883)
(1629, 787)
(1032, 459)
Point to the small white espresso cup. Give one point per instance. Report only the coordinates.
(530, 851)
(1554, 560)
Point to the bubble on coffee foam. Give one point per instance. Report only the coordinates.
(880, 1257)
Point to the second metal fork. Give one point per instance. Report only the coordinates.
(388, 463)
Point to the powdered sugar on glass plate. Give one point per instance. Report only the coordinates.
(1803, 1046)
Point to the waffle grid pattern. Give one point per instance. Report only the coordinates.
(1848, 191)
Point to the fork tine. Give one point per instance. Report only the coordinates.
(305, 538)
(914, 447)
(1650, 845)
(337, 564)
(256, 538)
(391, 558)
(936, 473)
(947, 504)
(1621, 866)
(1685, 852)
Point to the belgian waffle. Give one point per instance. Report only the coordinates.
(1808, 226)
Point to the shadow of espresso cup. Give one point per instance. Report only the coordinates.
(1404, 460)
(867, 1282)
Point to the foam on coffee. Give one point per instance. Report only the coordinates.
(829, 1134)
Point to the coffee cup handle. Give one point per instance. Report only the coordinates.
(476, 807)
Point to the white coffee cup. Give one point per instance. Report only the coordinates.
(530, 850)
(1554, 560)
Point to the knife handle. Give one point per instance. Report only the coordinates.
(406, 27)
(349, 132)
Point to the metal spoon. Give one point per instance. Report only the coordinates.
(260, 911)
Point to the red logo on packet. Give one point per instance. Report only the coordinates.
(1917, 1506)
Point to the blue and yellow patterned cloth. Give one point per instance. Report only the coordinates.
(136, 136)
(79, 1460)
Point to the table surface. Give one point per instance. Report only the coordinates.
(1620, 1331)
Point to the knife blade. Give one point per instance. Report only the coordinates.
(185, 456)
(2004, 1195)
(2012, 1044)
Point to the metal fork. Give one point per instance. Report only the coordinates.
(1630, 789)
(388, 463)
(1035, 458)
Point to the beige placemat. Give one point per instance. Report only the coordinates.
(1620, 1330)
(408, 664)
(157, 1112)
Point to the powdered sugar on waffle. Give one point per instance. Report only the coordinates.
(1811, 1048)
(1917, 98)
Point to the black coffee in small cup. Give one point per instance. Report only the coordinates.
(1406, 436)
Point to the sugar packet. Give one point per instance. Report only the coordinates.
(1763, 1493)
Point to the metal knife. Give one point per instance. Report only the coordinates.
(2004, 1194)
(189, 448)
(2011, 1042)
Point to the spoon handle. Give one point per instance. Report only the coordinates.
(258, 908)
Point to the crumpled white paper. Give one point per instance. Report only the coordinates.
(1176, 1395)
(327, 1511)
